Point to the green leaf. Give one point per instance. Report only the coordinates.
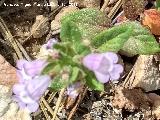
(158, 4)
(70, 32)
(93, 83)
(49, 67)
(81, 49)
(81, 26)
(57, 83)
(74, 74)
(129, 37)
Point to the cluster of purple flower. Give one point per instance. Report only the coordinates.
(32, 84)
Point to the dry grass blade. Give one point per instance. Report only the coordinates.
(58, 103)
(115, 19)
(127, 79)
(23, 51)
(50, 98)
(115, 9)
(8, 36)
(44, 111)
(47, 105)
(104, 5)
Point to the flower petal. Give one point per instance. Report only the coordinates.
(72, 90)
(92, 61)
(20, 63)
(37, 86)
(105, 66)
(112, 56)
(115, 73)
(25, 97)
(19, 75)
(21, 105)
(103, 78)
(17, 88)
(73, 94)
(35, 67)
(33, 107)
(50, 43)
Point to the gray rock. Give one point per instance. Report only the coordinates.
(145, 74)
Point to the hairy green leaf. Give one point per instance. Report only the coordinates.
(50, 67)
(81, 26)
(57, 83)
(74, 75)
(129, 37)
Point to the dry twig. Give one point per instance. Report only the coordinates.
(58, 103)
(115, 9)
(104, 5)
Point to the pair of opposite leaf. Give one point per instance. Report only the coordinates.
(91, 25)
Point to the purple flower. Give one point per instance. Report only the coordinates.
(27, 94)
(72, 90)
(50, 43)
(31, 84)
(104, 66)
(29, 69)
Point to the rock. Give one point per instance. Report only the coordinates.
(145, 74)
(131, 99)
(87, 3)
(55, 25)
(7, 73)
(5, 98)
(16, 114)
(40, 26)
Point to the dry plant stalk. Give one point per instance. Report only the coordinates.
(9, 38)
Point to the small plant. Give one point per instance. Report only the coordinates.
(86, 55)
